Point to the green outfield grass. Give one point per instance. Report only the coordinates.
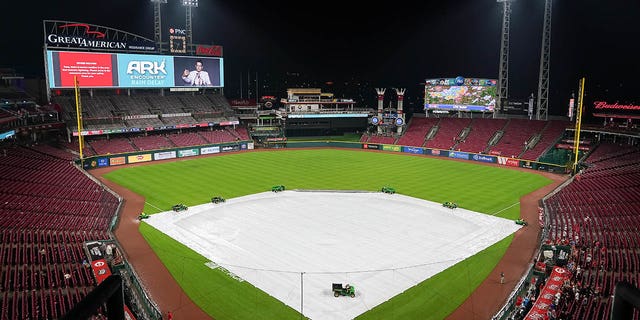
(486, 189)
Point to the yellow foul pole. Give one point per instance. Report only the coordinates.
(79, 118)
(576, 137)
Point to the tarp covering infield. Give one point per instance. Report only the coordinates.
(382, 244)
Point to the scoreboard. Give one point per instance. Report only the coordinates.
(125, 70)
(460, 94)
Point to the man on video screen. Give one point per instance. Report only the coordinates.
(197, 77)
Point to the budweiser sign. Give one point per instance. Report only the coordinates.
(215, 51)
(604, 105)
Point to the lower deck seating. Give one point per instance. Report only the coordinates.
(598, 215)
(48, 209)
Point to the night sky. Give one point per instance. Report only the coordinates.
(397, 44)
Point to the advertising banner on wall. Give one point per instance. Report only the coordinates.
(103, 162)
(371, 146)
(230, 148)
(483, 158)
(210, 150)
(459, 155)
(188, 153)
(509, 162)
(391, 147)
(164, 155)
(139, 158)
(117, 161)
(414, 150)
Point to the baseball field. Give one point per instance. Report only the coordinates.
(487, 189)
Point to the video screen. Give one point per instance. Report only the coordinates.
(91, 69)
(115, 70)
(461, 94)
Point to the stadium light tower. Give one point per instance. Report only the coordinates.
(503, 80)
(188, 5)
(545, 56)
(157, 22)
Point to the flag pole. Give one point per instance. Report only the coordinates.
(576, 138)
(76, 85)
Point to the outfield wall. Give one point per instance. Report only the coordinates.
(163, 154)
(503, 161)
(184, 152)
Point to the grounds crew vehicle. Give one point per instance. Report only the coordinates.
(339, 290)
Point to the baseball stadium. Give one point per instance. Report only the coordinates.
(140, 190)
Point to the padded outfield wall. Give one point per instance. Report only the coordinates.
(185, 152)
(503, 161)
(163, 154)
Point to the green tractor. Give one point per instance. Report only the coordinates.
(450, 205)
(179, 207)
(339, 290)
(217, 199)
(388, 190)
(277, 188)
(143, 216)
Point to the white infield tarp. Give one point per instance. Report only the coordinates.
(296, 243)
